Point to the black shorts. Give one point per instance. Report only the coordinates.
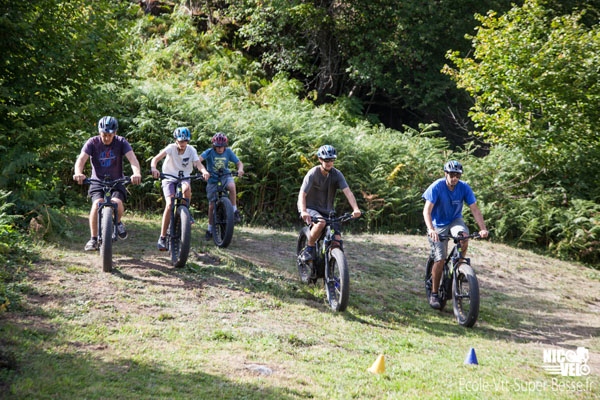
(97, 192)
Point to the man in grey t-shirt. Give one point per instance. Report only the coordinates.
(317, 195)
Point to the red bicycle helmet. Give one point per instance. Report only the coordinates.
(219, 139)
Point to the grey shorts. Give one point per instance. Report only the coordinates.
(170, 187)
(211, 188)
(439, 249)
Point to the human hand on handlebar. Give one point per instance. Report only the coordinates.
(483, 233)
(155, 173)
(356, 213)
(136, 179)
(305, 217)
(79, 178)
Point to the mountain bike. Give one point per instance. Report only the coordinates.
(458, 282)
(330, 262)
(223, 212)
(180, 227)
(107, 219)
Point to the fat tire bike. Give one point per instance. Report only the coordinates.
(107, 219)
(458, 282)
(180, 228)
(223, 218)
(330, 262)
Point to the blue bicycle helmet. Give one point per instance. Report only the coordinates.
(108, 125)
(326, 151)
(180, 134)
(453, 166)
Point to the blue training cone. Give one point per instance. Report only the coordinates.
(471, 357)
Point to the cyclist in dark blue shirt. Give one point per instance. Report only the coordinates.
(444, 200)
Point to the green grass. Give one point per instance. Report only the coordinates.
(151, 331)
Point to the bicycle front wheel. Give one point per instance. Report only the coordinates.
(106, 216)
(180, 243)
(223, 218)
(466, 296)
(337, 281)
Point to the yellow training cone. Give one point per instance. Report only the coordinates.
(378, 366)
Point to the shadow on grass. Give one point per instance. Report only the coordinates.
(385, 280)
(36, 373)
(387, 288)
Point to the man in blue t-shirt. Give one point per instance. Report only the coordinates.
(217, 159)
(106, 152)
(444, 200)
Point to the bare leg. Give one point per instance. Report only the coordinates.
(232, 193)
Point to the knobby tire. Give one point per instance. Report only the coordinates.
(223, 219)
(466, 310)
(183, 232)
(107, 233)
(338, 291)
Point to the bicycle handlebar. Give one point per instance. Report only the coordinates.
(342, 218)
(163, 176)
(459, 238)
(108, 182)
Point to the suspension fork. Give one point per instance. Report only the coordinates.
(107, 203)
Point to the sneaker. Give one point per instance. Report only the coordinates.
(122, 231)
(162, 243)
(91, 245)
(208, 235)
(434, 301)
(307, 254)
(237, 218)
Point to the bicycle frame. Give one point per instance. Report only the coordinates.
(178, 200)
(325, 242)
(107, 186)
(453, 260)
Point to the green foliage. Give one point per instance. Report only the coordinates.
(534, 77)
(15, 255)
(54, 81)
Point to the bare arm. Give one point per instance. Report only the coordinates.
(240, 168)
(427, 209)
(352, 200)
(136, 178)
(154, 163)
(79, 164)
(479, 219)
(302, 207)
(198, 164)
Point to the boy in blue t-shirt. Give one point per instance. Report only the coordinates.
(217, 159)
(444, 200)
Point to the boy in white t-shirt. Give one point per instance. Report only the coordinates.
(180, 157)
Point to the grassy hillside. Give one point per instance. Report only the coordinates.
(238, 324)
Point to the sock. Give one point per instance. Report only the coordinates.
(234, 208)
(209, 228)
(94, 238)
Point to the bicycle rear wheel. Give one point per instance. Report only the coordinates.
(223, 218)
(337, 281)
(180, 243)
(106, 215)
(466, 296)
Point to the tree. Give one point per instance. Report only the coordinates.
(535, 80)
(51, 76)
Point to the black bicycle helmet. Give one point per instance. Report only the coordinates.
(326, 151)
(108, 125)
(453, 166)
